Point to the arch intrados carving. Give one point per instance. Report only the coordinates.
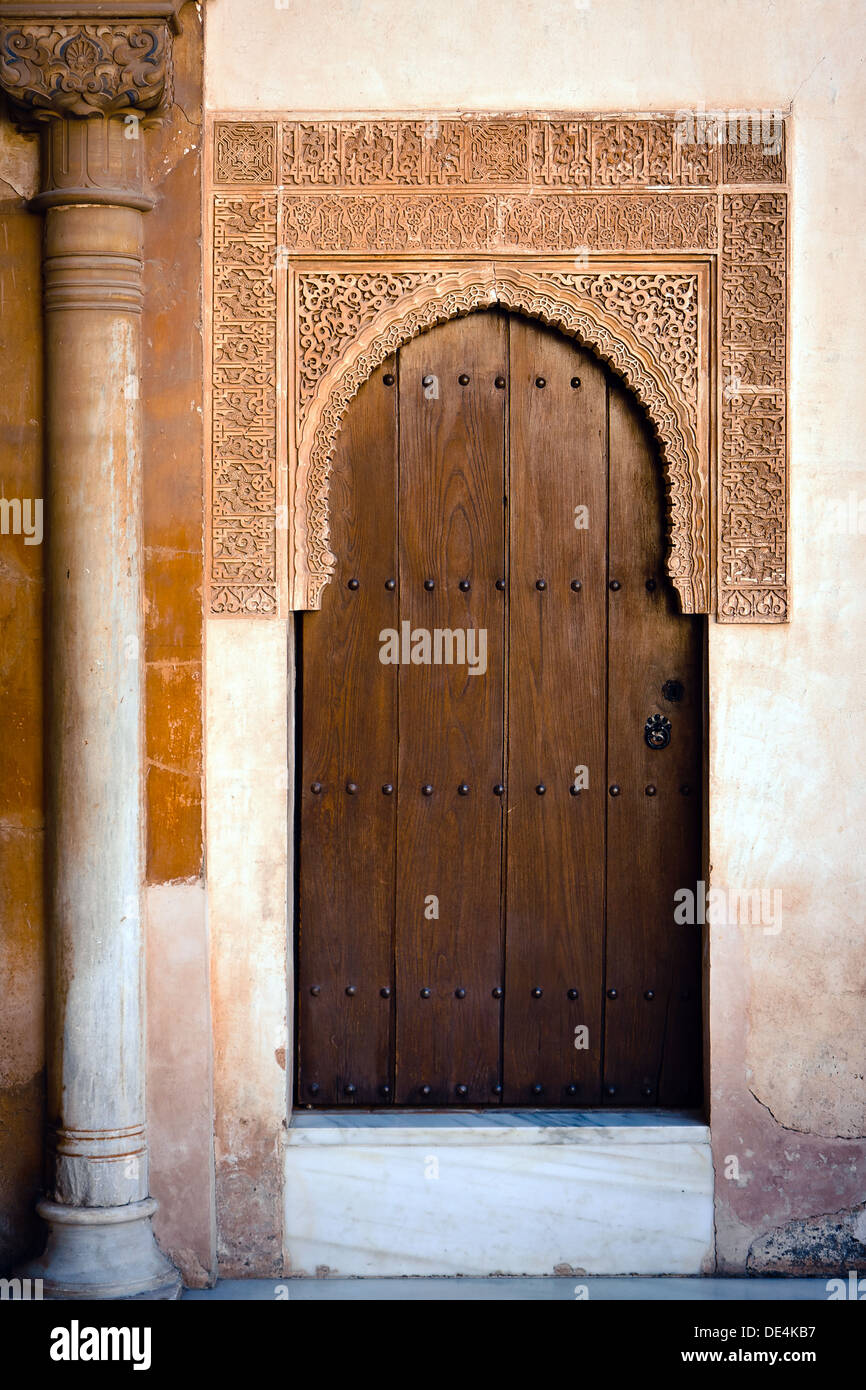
(552, 300)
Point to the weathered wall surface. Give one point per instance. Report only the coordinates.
(22, 1051)
(787, 1025)
(179, 1075)
(248, 861)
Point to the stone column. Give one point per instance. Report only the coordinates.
(89, 82)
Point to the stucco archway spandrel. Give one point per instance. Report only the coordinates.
(644, 324)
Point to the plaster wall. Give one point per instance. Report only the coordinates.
(787, 734)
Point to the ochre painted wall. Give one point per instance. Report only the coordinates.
(22, 1052)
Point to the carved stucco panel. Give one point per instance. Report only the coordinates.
(414, 204)
(644, 326)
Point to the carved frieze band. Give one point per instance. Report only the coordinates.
(292, 196)
(580, 153)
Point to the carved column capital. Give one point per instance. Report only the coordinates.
(90, 75)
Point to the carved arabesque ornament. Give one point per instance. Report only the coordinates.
(624, 318)
(337, 241)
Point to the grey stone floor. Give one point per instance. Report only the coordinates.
(532, 1290)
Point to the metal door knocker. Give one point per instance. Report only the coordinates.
(657, 731)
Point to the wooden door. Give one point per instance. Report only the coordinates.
(500, 735)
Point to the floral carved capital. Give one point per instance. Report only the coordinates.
(89, 77)
(86, 68)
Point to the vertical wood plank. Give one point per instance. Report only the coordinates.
(652, 1044)
(555, 841)
(451, 721)
(349, 722)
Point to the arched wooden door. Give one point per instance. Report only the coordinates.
(500, 745)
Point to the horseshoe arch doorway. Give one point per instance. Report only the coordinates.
(500, 734)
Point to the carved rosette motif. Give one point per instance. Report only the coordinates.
(449, 195)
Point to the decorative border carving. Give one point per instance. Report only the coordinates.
(416, 203)
(753, 466)
(244, 421)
